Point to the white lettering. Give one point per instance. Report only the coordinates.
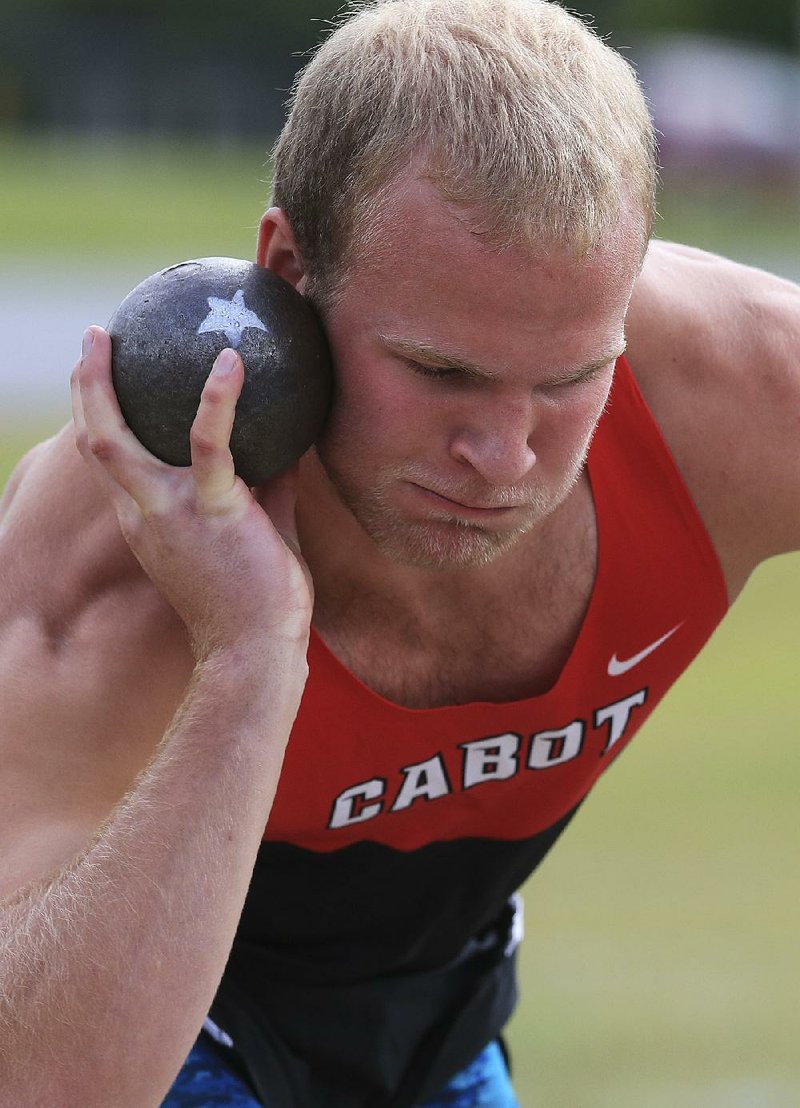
(496, 758)
(551, 748)
(426, 780)
(351, 807)
(493, 759)
(619, 715)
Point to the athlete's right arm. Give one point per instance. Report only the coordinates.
(136, 774)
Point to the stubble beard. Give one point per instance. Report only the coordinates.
(441, 541)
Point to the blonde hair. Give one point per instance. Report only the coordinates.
(515, 108)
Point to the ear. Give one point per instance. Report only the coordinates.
(277, 249)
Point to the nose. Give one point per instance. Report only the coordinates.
(496, 442)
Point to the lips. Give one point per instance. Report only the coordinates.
(467, 506)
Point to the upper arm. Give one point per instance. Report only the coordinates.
(718, 345)
(775, 402)
(92, 666)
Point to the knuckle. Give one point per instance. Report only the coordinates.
(213, 395)
(202, 442)
(100, 447)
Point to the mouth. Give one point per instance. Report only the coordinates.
(467, 509)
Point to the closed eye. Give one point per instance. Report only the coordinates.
(439, 373)
(582, 378)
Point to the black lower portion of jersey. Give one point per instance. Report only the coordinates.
(378, 997)
(393, 1041)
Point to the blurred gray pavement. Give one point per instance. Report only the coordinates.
(44, 308)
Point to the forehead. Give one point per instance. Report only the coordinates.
(412, 195)
(427, 268)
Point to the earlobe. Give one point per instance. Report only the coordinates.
(277, 249)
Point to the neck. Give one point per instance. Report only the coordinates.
(424, 638)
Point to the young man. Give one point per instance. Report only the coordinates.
(517, 539)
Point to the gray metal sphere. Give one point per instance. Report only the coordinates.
(166, 334)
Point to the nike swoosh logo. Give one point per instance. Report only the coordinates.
(618, 666)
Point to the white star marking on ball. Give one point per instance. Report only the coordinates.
(232, 317)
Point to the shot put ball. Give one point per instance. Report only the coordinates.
(166, 334)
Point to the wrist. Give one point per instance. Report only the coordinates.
(253, 666)
(240, 707)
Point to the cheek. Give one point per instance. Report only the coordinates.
(373, 403)
(569, 424)
(369, 415)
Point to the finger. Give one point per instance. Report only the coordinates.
(103, 437)
(78, 414)
(78, 420)
(123, 502)
(212, 464)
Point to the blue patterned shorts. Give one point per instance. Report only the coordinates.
(206, 1082)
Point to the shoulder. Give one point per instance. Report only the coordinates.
(66, 573)
(714, 345)
(56, 529)
(719, 310)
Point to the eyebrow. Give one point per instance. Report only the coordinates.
(441, 359)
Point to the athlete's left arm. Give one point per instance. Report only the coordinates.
(719, 345)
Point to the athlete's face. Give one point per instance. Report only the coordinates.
(470, 381)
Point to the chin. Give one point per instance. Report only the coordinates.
(437, 545)
(443, 542)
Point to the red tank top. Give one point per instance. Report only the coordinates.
(377, 929)
(362, 769)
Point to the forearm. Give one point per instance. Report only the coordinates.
(107, 970)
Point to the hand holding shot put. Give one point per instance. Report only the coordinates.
(199, 532)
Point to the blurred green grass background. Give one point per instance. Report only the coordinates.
(661, 963)
(102, 199)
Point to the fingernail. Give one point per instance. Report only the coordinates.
(88, 342)
(225, 362)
